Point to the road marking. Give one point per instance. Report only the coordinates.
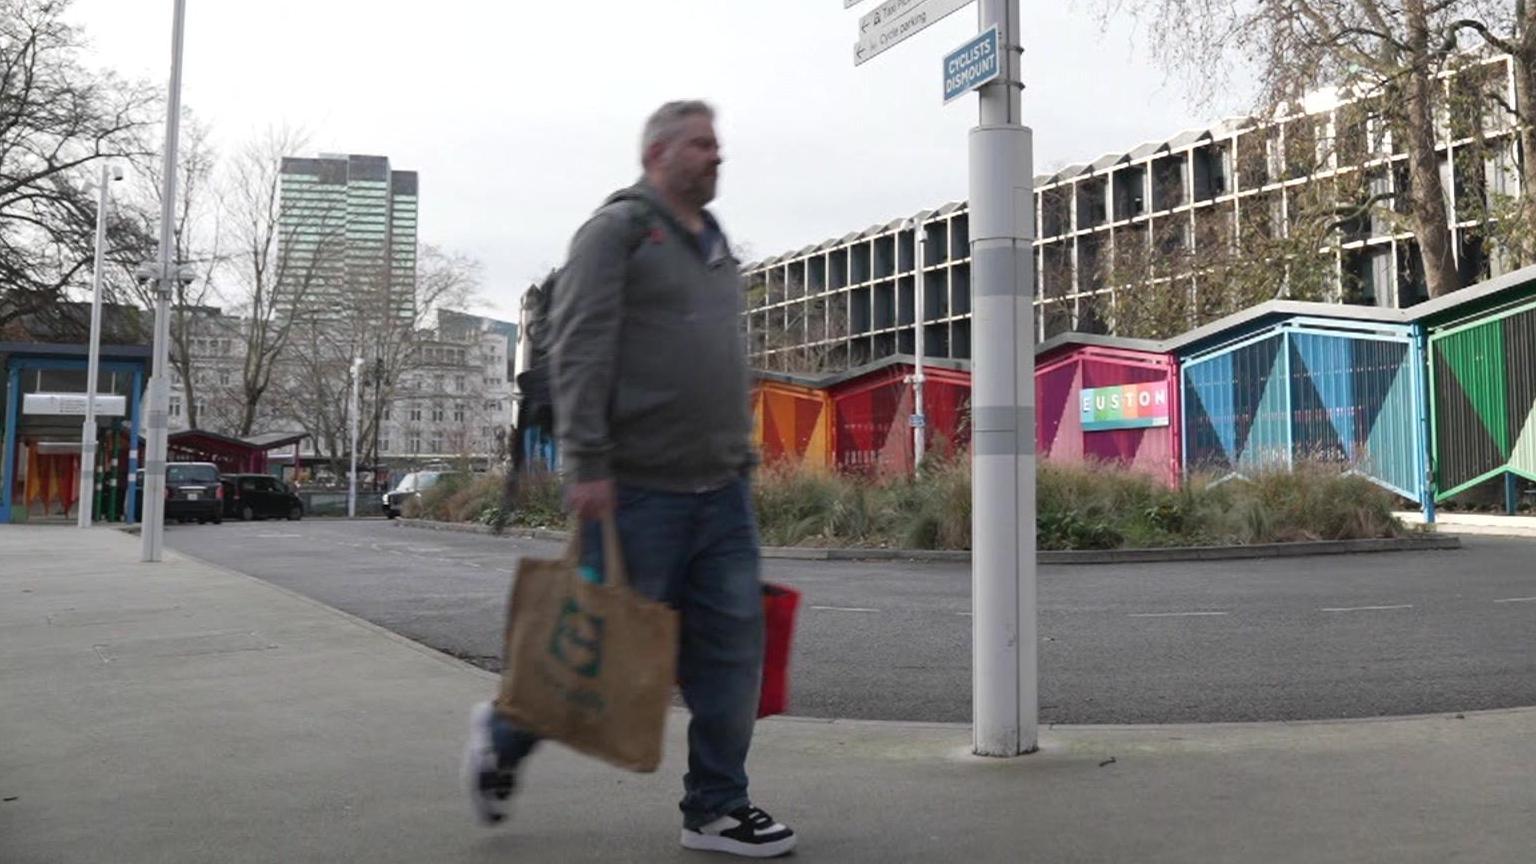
(1176, 614)
(279, 536)
(963, 614)
(1368, 608)
(1517, 600)
(843, 609)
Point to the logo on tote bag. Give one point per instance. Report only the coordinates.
(578, 640)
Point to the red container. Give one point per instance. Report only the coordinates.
(872, 411)
(779, 606)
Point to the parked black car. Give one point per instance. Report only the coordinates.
(259, 496)
(192, 491)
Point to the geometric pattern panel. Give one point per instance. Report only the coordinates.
(1264, 445)
(1323, 392)
(1318, 434)
(1053, 396)
(1474, 357)
(1254, 401)
(1394, 445)
(1484, 380)
(1520, 373)
(1354, 402)
(1465, 449)
(808, 419)
(1304, 394)
(1381, 370)
(1208, 426)
(1522, 456)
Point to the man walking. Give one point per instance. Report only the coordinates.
(650, 385)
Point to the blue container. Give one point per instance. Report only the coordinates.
(1270, 390)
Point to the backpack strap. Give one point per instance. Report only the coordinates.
(642, 220)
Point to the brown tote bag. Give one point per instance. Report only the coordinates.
(589, 665)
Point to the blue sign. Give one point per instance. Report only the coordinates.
(971, 65)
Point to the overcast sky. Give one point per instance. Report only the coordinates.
(520, 116)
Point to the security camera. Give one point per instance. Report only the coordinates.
(117, 172)
(186, 275)
(146, 273)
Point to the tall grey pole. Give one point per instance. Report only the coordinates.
(357, 368)
(1004, 640)
(83, 511)
(165, 276)
(919, 300)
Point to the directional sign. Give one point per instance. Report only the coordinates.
(896, 21)
(971, 65)
(71, 404)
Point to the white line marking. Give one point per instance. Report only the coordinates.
(1517, 600)
(1176, 614)
(843, 609)
(1368, 608)
(963, 614)
(279, 536)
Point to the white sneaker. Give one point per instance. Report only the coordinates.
(490, 784)
(746, 831)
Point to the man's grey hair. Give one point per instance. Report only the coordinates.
(664, 123)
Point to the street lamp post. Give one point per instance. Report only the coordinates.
(357, 369)
(378, 415)
(84, 510)
(165, 272)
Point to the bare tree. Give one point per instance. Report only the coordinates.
(271, 279)
(1510, 28)
(56, 119)
(372, 325)
(1388, 52)
(195, 235)
(1166, 286)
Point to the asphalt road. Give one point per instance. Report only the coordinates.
(1310, 638)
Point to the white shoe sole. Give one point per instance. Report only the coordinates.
(469, 771)
(716, 843)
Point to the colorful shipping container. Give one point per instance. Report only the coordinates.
(1428, 402)
(793, 422)
(1289, 382)
(873, 407)
(1482, 349)
(1099, 398)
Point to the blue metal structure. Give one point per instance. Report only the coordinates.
(20, 358)
(1347, 391)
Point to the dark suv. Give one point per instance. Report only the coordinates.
(192, 491)
(259, 496)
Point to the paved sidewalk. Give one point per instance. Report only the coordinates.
(182, 713)
(1490, 524)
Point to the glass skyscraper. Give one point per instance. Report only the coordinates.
(347, 236)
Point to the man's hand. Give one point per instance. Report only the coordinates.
(592, 500)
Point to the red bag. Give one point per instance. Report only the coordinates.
(779, 605)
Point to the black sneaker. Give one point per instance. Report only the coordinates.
(490, 783)
(746, 831)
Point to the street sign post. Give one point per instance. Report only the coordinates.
(971, 65)
(895, 21)
(1004, 629)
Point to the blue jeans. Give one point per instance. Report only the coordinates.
(699, 554)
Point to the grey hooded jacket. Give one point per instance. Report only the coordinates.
(650, 378)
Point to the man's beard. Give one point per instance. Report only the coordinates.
(702, 190)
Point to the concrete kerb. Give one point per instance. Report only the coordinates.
(1417, 543)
